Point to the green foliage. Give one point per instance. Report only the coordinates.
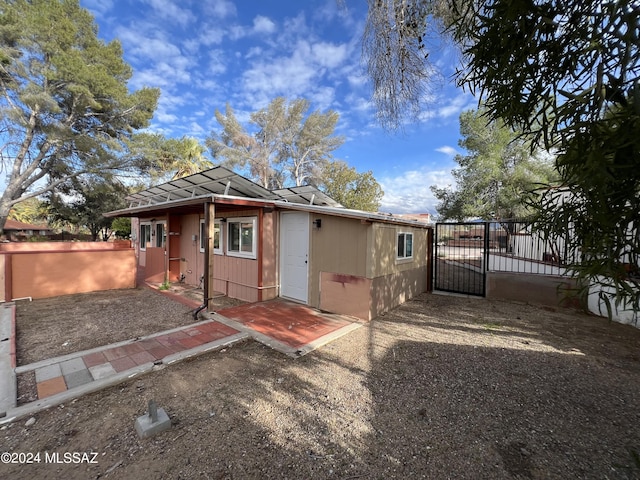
(84, 205)
(284, 144)
(65, 107)
(351, 189)
(167, 158)
(598, 208)
(567, 74)
(494, 175)
(32, 211)
(121, 227)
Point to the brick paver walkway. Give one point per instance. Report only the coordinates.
(60, 376)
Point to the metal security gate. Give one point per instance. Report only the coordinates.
(460, 257)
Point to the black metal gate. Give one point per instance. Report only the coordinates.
(460, 257)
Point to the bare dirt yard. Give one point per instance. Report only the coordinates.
(442, 387)
(51, 327)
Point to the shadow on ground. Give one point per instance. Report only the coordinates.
(439, 388)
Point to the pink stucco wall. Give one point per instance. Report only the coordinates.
(49, 273)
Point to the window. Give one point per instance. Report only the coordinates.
(217, 238)
(241, 237)
(405, 245)
(145, 235)
(161, 235)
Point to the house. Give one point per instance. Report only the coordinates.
(20, 231)
(224, 232)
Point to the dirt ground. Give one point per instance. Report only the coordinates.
(51, 327)
(442, 387)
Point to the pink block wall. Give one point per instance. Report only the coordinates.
(51, 273)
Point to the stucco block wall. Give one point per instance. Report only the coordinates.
(49, 274)
(521, 287)
(346, 294)
(383, 250)
(391, 290)
(339, 246)
(355, 270)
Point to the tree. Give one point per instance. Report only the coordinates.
(65, 108)
(285, 145)
(167, 158)
(394, 50)
(495, 174)
(351, 189)
(565, 73)
(191, 158)
(32, 210)
(121, 227)
(85, 204)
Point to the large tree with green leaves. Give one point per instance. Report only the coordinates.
(283, 144)
(565, 73)
(84, 204)
(32, 210)
(351, 189)
(65, 107)
(496, 173)
(165, 158)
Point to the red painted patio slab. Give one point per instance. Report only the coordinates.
(290, 323)
(123, 363)
(93, 359)
(219, 330)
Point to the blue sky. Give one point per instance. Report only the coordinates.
(205, 53)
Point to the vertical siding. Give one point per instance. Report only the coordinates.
(3, 287)
(270, 255)
(234, 276)
(191, 260)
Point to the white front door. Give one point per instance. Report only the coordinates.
(294, 255)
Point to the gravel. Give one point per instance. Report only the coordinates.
(441, 387)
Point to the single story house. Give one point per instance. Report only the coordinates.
(19, 231)
(222, 231)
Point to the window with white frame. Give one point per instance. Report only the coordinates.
(161, 234)
(145, 235)
(241, 237)
(217, 237)
(405, 245)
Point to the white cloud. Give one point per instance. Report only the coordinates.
(262, 24)
(219, 8)
(328, 54)
(98, 7)
(217, 64)
(142, 46)
(454, 106)
(169, 10)
(409, 191)
(447, 150)
(302, 73)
